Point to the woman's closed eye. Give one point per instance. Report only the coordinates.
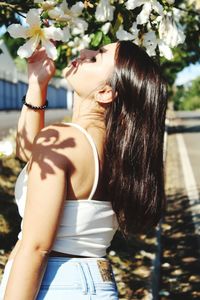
(93, 59)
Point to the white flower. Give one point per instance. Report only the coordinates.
(71, 16)
(134, 30)
(177, 14)
(6, 148)
(165, 50)
(143, 16)
(169, 32)
(170, 1)
(64, 14)
(150, 42)
(56, 13)
(35, 34)
(48, 4)
(79, 26)
(123, 35)
(66, 34)
(148, 7)
(79, 44)
(132, 4)
(157, 7)
(104, 11)
(105, 28)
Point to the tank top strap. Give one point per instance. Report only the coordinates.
(96, 158)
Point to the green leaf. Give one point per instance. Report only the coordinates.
(96, 40)
(106, 40)
(45, 15)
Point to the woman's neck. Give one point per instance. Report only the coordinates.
(88, 113)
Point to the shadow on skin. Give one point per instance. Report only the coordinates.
(47, 147)
(50, 142)
(80, 62)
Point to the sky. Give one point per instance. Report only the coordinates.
(188, 73)
(2, 30)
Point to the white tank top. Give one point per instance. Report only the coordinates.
(87, 226)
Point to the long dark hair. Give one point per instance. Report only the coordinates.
(135, 123)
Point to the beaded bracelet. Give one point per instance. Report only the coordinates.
(32, 106)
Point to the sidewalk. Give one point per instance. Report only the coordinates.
(180, 265)
(9, 119)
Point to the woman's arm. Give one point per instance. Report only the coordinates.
(45, 197)
(40, 71)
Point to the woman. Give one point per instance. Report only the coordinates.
(86, 178)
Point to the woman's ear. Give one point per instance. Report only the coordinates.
(104, 95)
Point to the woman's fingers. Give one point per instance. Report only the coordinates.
(38, 54)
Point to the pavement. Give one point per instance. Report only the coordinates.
(9, 119)
(180, 230)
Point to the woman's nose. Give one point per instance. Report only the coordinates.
(86, 53)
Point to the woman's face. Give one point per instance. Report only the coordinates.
(90, 71)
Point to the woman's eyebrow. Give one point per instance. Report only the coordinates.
(101, 51)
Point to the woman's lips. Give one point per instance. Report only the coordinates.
(74, 63)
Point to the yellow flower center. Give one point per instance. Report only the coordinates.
(35, 30)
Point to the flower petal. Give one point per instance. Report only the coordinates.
(79, 26)
(143, 16)
(123, 35)
(53, 33)
(77, 8)
(46, 4)
(134, 30)
(104, 11)
(165, 51)
(66, 34)
(55, 13)
(50, 49)
(29, 47)
(64, 7)
(157, 7)
(106, 27)
(132, 4)
(33, 17)
(17, 31)
(150, 39)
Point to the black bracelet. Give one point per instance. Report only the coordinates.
(32, 106)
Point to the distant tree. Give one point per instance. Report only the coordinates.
(188, 97)
(10, 10)
(189, 52)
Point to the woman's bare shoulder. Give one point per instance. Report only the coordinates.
(64, 139)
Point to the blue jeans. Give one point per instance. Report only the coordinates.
(78, 279)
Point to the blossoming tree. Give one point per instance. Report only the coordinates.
(156, 25)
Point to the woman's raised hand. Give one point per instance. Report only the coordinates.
(40, 68)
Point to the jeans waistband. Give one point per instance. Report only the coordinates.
(85, 273)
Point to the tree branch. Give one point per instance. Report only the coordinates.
(189, 11)
(19, 9)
